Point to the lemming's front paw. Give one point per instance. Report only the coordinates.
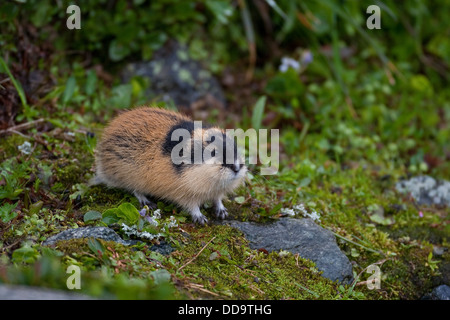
(150, 204)
(144, 201)
(200, 219)
(221, 212)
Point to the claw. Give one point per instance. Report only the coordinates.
(198, 217)
(221, 213)
(150, 204)
(143, 201)
(200, 220)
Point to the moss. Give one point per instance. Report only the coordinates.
(9, 146)
(228, 268)
(100, 197)
(70, 172)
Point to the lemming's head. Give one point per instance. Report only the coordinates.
(221, 153)
(209, 151)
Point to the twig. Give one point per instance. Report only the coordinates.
(195, 257)
(200, 287)
(363, 283)
(357, 277)
(4, 80)
(22, 126)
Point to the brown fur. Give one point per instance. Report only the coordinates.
(129, 156)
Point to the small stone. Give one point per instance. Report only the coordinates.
(103, 233)
(174, 76)
(438, 251)
(301, 236)
(426, 190)
(439, 293)
(106, 234)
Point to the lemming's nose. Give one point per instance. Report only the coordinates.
(237, 167)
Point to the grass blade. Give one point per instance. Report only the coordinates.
(16, 84)
(258, 113)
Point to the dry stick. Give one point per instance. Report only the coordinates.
(22, 126)
(354, 283)
(195, 257)
(200, 287)
(4, 80)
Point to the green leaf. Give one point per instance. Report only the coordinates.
(36, 207)
(385, 221)
(25, 255)
(160, 276)
(111, 216)
(121, 96)
(304, 182)
(258, 112)
(91, 83)
(117, 51)
(156, 256)
(239, 200)
(275, 209)
(69, 90)
(129, 213)
(95, 246)
(221, 9)
(15, 83)
(92, 216)
(376, 214)
(285, 86)
(7, 213)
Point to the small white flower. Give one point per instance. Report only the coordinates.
(157, 214)
(172, 222)
(288, 212)
(300, 208)
(313, 215)
(152, 221)
(287, 63)
(132, 231)
(25, 147)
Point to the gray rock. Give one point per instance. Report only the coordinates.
(106, 234)
(300, 236)
(426, 190)
(10, 292)
(438, 251)
(439, 293)
(173, 75)
(163, 247)
(103, 233)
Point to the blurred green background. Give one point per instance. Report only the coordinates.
(363, 89)
(357, 110)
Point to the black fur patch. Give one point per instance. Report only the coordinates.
(168, 144)
(227, 142)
